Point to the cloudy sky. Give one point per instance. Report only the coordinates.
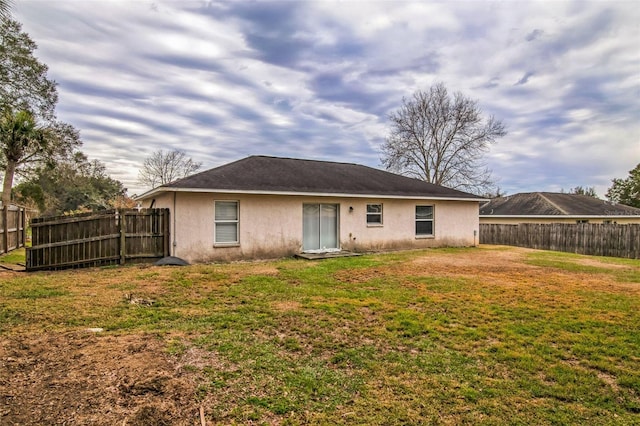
(317, 79)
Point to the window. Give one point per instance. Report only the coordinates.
(424, 221)
(374, 214)
(226, 222)
(579, 221)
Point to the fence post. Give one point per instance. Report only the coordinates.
(23, 234)
(5, 225)
(123, 237)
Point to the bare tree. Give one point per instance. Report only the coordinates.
(163, 167)
(442, 140)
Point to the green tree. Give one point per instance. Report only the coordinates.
(5, 10)
(24, 84)
(626, 191)
(18, 134)
(442, 139)
(25, 146)
(589, 191)
(70, 184)
(29, 133)
(30, 194)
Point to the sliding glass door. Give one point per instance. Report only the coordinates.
(320, 227)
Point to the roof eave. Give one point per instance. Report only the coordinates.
(149, 193)
(161, 189)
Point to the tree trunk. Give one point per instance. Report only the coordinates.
(8, 183)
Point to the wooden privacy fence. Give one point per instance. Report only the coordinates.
(585, 238)
(12, 229)
(95, 239)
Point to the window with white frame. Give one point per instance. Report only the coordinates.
(226, 222)
(374, 214)
(424, 221)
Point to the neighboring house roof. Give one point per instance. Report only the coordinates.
(554, 204)
(275, 175)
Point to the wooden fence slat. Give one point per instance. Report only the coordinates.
(104, 238)
(12, 229)
(102, 261)
(619, 240)
(78, 241)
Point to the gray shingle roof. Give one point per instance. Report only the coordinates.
(289, 175)
(554, 204)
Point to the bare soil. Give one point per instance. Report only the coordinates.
(82, 378)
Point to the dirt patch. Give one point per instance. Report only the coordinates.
(84, 378)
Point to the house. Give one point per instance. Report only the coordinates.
(551, 207)
(267, 207)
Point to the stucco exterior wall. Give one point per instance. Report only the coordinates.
(454, 225)
(595, 220)
(271, 226)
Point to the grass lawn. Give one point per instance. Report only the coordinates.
(14, 257)
(490, 335)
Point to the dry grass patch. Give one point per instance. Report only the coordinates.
(286, 305)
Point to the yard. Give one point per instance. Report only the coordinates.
(493, 335)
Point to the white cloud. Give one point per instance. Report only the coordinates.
(316, 79)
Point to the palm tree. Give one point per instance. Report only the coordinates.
(20, 140)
